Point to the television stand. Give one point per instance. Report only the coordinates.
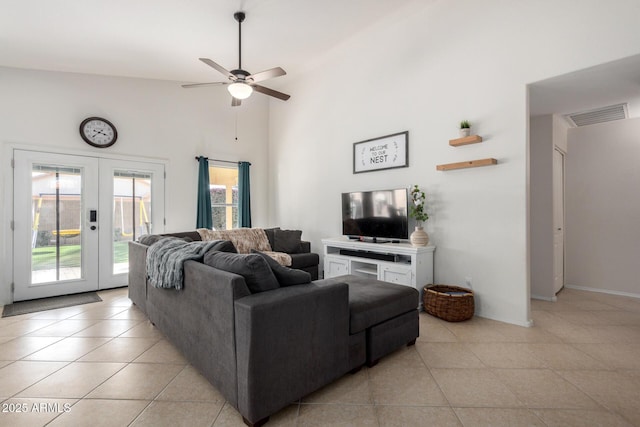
(398, 263)
(371, 239)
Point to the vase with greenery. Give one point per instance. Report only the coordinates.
(417, 211)
(465, 128)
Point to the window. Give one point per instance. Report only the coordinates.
(223, 186)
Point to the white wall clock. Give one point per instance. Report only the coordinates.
(98, 132)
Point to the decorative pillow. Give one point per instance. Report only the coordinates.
(244, 239)
(286, 276)
(280, 257)
(270, 235)
(224, 246)
(287, 241)
(255, 270)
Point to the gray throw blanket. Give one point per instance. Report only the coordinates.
(166, 257)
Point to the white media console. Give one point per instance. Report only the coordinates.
(398, 263)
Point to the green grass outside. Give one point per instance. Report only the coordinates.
(44, 258)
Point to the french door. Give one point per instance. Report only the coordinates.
(73, 217)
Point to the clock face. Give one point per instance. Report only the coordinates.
(98, 132)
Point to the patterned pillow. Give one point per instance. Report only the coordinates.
(244, 239)
(280, 257)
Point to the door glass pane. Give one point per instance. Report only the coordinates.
(131, 214)
(56, 218)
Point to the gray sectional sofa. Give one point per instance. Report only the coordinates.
(265, 350)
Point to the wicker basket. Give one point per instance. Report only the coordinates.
(452, 308)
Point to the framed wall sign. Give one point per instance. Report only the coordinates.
(386, 152)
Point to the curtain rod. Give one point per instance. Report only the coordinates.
(217, 160)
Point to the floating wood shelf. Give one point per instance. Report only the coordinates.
(471, 139)
(467, 164)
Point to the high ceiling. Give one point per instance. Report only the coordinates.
(596, 87)
(162, 39)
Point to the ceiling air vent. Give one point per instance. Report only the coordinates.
(599, 115)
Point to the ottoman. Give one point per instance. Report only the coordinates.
(386, 312)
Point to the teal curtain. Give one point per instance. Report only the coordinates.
(203, 218)
(244, 195)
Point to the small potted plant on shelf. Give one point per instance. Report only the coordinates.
(465, 128)
(417, 211)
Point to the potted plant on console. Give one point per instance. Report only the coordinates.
(416, 210)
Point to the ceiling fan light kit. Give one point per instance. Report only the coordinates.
(240, 90)
(241, 83)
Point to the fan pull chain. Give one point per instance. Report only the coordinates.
(236, 137)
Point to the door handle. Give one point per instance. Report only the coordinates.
(93, 227)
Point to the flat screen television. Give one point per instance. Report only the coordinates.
(379, 214)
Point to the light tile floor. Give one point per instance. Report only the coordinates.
(104, 364)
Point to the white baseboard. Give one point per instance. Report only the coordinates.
(526, 323)
(602, 291)
(552, 299)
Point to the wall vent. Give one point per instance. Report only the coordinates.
(599, 115)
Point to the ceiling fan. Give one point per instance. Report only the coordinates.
(241, 84)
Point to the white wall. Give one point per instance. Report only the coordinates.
(155, 119)
(423, 70)
(541, 204)
(547, 133)
(560, 133)
(603, 207)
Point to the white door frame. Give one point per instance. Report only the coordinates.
(558, 219)
(7, 209)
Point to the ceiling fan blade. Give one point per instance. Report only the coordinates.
(235, 102)
(192, 85)
(271, 92)
(218, 67)
(267, 74)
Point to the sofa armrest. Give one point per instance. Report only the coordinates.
(138, 275)
(289, 342)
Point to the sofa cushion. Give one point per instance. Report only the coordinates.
(372, 302)
(190, 234)
(255, 270)
(287, 240)
(285, 276)
(244, 239)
